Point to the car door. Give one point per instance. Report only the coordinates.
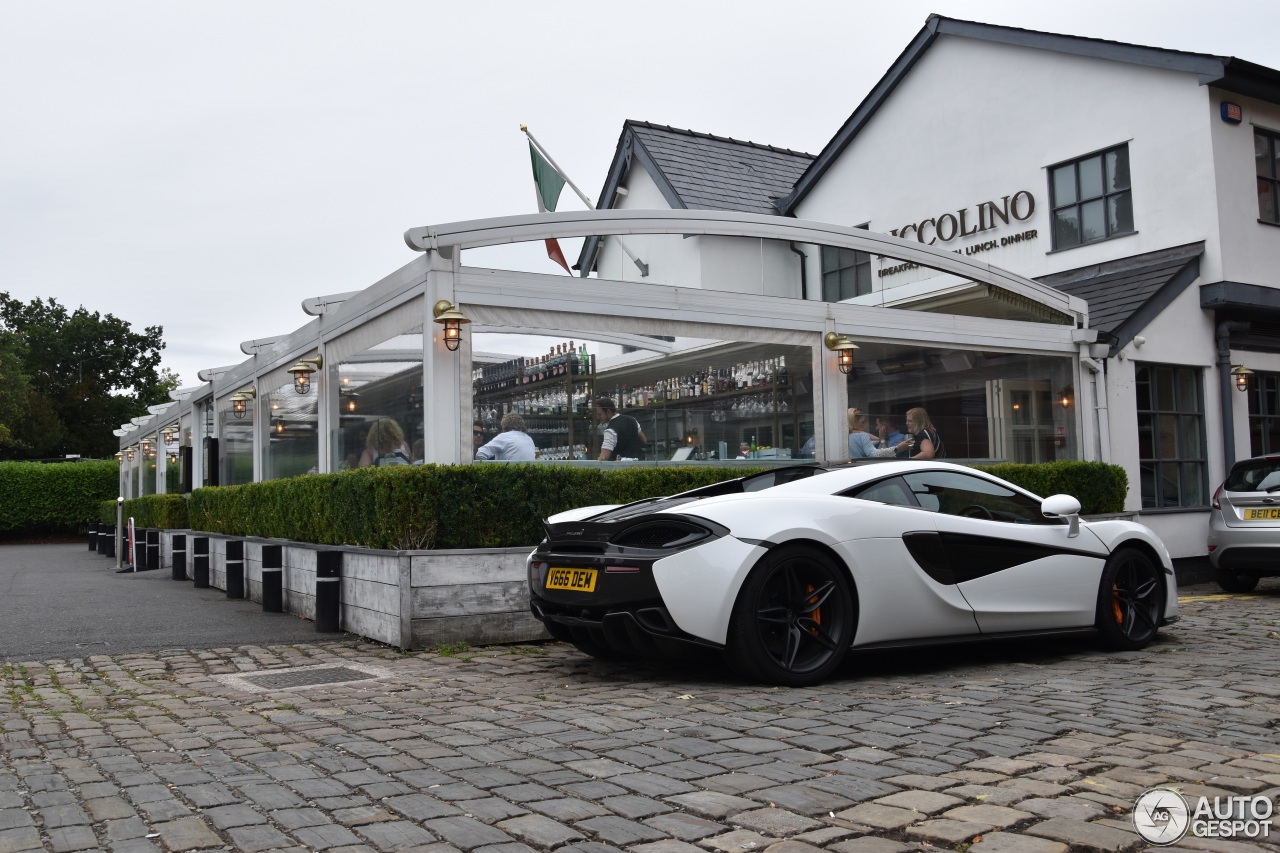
(902, 599)
(1018, 570)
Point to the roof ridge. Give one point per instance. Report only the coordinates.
(697, 133)
(1099, 40)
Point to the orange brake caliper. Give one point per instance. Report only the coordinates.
(1115, 603)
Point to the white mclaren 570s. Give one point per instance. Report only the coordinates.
(786, 571)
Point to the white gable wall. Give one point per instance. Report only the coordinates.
(1250, 249)
(975, 121)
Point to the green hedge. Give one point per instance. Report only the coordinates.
(53, 498)
(491, 506)
(163, 511)
(1100, 488)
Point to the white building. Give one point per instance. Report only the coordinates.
(1140, 179)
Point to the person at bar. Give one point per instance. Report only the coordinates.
(512, 444)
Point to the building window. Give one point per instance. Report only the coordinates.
(1091, 198)
(1171, 452)
(1266, 154)
(845, 274)
(1264, 414)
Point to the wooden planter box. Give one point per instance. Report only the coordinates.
(407, 599)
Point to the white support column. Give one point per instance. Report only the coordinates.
(446, 405)
(325, 389)
(261, 426)
(831, 405)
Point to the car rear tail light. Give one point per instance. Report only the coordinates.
(1215, 502)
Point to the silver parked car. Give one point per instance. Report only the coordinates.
(1244, 526)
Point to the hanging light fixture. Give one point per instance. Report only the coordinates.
(843, 348)
(1066, 395)
(301, 373)
(451, 318)
(349, 401)
(1241, 374)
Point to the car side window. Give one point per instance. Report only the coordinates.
(954, 493)
(891, 491)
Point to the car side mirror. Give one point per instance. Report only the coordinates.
(1063, 506)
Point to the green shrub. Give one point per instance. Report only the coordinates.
(163, 511)
(1099, 487)
(493, 506)
(53, 498)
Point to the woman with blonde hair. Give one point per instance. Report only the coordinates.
(861, 444)
(924, 436)
(385, 445)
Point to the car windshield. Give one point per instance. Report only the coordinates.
(1255, 475)
(754, 483)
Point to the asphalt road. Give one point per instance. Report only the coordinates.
(64, 601)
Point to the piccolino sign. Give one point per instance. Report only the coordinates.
(966, 222)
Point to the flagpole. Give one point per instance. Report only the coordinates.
(641, 265)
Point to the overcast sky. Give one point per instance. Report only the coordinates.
(206, 167)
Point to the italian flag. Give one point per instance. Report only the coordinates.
(549, 183)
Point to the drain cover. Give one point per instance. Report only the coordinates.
(305, 677)
(298, 677)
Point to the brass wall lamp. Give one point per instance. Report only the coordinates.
(843, 348)
(1241, 374)
(451, 318)
(240, 402)
(302, 371)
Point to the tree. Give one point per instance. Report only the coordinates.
(14, 389)
(86, 374)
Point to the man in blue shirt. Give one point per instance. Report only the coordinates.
(890, 436)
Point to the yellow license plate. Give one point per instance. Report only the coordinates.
(574, 580)
(1268, 514)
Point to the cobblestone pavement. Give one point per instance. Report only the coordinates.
(1013, 747)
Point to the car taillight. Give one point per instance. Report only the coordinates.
(1216, 504)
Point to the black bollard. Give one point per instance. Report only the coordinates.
(107, 547)
(235, 568)
(328, 591)
(200, 561)
(179, 556)
(272, 578)
(139, 549)
(93, 536)
(153, 549)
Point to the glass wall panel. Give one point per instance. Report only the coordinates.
(150, 452)
(987, 406)
(235, 441)
(293, 438)
(720, 401)
(381, 399)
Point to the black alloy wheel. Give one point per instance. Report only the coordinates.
(1233, 581)
(1130, 601)
(793, 620)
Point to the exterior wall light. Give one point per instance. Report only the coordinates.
(240, 402)
(129, 453)
(1066, 395)
(452, 319)
(1242, 374)
(171, 433)
(146, 445)
(119, 457)
(843, 348)
(302, 373)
